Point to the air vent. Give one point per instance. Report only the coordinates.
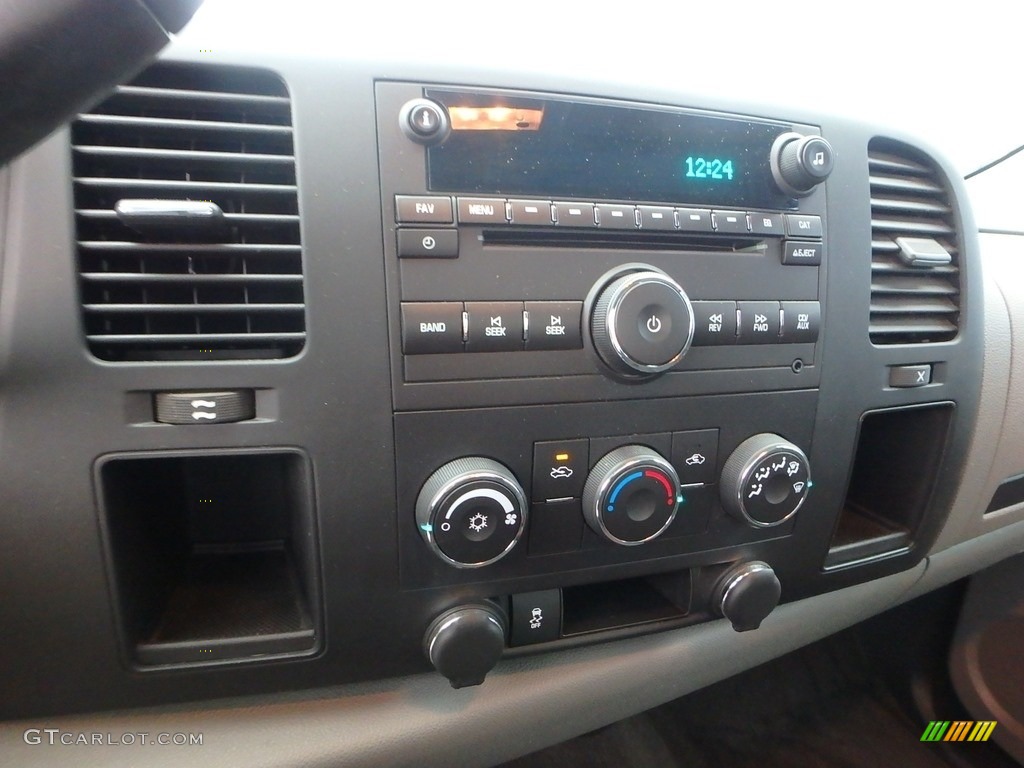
(216, 273)
(915, 257)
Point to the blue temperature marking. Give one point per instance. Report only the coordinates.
(427, 527)
(620, 485)
(680, 499)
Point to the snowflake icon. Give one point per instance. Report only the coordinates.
(477, 522)
(511, 519)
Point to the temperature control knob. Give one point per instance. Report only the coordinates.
(800, 163)
(642, 322)
(765, 480)
(631, 495)
(471, 512)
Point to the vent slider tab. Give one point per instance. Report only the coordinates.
(923, 252)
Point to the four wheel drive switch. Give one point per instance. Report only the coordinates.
(220, 407)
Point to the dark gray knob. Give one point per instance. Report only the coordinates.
(465, 643)
(471, 512)
(800, 163)
(746, 594)
(765, 480)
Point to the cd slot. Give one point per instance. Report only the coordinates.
(621, 240)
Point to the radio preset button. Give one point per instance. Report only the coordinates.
(801, 253)
(411, 209)
(428, 243)
(482, 210)
(759, 322)
(494, 326)
(656, 217)
(431, 327)
(800, 225)
(714, 323)
(767, 223)
(554, 325)
(531, 212)
(800, 321)
(694, 220)
(616, 216)
(575, 215)
(731, 222)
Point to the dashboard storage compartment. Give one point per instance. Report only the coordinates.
(212, 556)
(899, 452)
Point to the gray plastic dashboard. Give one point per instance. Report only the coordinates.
(61, 409)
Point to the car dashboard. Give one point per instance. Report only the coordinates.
(367, 407)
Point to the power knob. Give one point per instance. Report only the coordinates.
(642, 322)
(471, 512)
(800, 163)
(765, 480)
(631, 496)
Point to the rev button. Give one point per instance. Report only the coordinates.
(494, 326)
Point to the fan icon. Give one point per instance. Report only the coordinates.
(477, 522)
(511, 519)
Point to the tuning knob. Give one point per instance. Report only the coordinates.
(631, 495)
(765, 480)
(471, 512)
(746, 594)
(800, 163)
(465, 643)
(642, 322)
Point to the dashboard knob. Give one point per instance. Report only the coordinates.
(465, 643)
(799, 163)
(765, 480)
(471, 512)
(746, 594)
(631, 495)
(642, 323)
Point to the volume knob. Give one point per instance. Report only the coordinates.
(642, 323)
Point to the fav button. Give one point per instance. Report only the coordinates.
(494, 326)
(423, 210)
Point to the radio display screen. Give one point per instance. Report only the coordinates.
(513, 145)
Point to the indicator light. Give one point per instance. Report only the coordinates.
(561, 457)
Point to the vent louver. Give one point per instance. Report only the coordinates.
(176, 291)
(911, 303)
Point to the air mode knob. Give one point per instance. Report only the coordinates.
(631, 495)
(800, 163)
(471, 512)
(642, 322)
(765, 480)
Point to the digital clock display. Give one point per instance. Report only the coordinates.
(586, 150)
(709, 168)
